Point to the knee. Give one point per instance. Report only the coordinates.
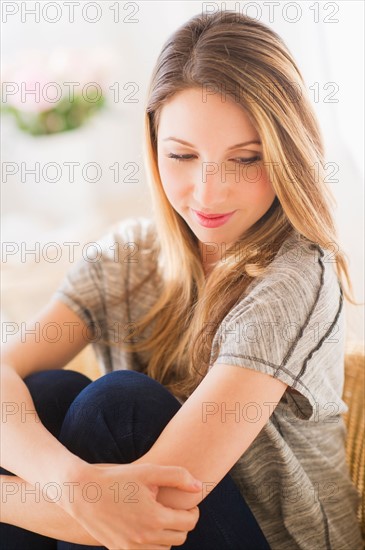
(125, 401)
(53, 391)
(117, 392)
(55, 382)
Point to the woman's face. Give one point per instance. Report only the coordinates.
(221, 172)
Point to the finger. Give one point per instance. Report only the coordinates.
(170, 538)
(106, 465)
(180, 520)
(173, 476)
(150, 546)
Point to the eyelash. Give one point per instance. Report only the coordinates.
(182, 158)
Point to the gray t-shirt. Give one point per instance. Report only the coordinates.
(290, 323)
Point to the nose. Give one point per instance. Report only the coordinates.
(210, 188)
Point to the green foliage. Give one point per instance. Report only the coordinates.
(64, 116)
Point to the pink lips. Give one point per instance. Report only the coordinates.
(212, 220)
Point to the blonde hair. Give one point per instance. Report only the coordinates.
(247, 61)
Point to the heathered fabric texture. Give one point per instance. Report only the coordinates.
(290, 324)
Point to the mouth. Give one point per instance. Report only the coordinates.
(211, 220)
(212, 216)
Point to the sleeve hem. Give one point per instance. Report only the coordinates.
(303, 407)
(74, 306)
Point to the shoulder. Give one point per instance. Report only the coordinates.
(132, 230)
(125, 243)
(126, 246)
(307, 270)
(301, 274)
(298, 259)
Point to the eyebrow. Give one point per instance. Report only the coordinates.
(171, 138)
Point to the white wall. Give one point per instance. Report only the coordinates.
(326, 52)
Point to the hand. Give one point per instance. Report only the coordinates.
(116, 504)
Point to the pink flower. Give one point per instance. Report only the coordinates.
(34, 81)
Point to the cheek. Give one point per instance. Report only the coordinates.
(258, 188)
(171, 179)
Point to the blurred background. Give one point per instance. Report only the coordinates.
(70, 171)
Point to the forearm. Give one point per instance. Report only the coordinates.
(36, 509)
(23, 435)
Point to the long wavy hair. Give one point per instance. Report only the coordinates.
(248, 62)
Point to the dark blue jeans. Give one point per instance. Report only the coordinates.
(116, 419)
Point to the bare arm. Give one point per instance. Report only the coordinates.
(32, 508)
(32, 453)
(205, 421)
(23, 435)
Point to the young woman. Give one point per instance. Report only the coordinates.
(219, 325)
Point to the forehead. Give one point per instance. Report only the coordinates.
(193, 111)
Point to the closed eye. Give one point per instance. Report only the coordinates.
(251, 160)
(179, 157)
(240, 160)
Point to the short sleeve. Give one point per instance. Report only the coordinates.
(97, 282)
(82, 290)
(290, 325)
